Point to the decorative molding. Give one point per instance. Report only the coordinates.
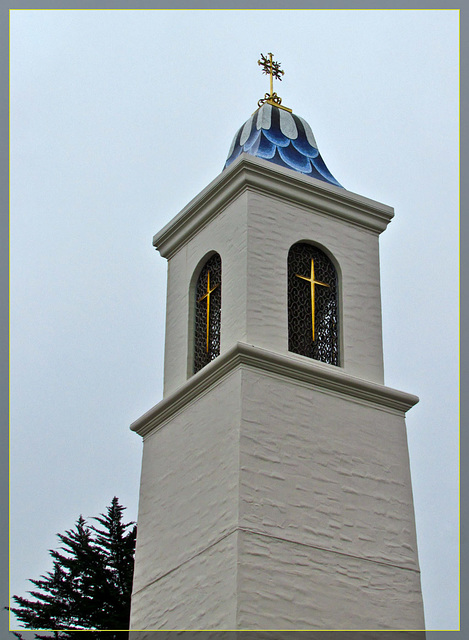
(311, 372)
(248, 173)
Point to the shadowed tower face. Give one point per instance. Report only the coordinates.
(275, 488)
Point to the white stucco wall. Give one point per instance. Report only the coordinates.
(284, 585)
(188, 502)
(271, 502)
(325, 470)
(326, 511)
(200, 594)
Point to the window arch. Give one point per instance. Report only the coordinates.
(207, 313)
(313, 318)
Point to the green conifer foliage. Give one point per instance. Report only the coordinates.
(90, 584)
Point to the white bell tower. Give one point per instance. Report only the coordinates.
(275, 488)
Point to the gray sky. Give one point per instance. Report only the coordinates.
(118, 119)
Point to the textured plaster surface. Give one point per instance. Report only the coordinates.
(200, 594)
(317, 487)
(227, 236)
(289, 586)
(276, 635)
(189, 483)
(325, 470)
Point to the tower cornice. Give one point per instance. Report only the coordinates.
(248, 173)
(311, 372)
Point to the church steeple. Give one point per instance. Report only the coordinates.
(275, 489)
(275, 133)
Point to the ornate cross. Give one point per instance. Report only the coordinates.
(313, 283)
(207, 296)
(269, 67)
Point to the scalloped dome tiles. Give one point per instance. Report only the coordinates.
(276, 135)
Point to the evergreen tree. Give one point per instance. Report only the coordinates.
(90, 584)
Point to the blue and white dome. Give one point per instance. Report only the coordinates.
(275, 134)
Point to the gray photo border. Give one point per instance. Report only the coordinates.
(5, 8)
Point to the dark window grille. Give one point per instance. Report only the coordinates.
(207, 302)
(325, 346)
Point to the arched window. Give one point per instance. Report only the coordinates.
(207, 313)
(313, 329)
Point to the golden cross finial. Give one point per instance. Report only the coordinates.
(272, 69)
(313, 283)
(207, 296)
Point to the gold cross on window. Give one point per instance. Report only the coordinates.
(313, 282)
(207, 297)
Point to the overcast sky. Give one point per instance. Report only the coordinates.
(118, 119)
